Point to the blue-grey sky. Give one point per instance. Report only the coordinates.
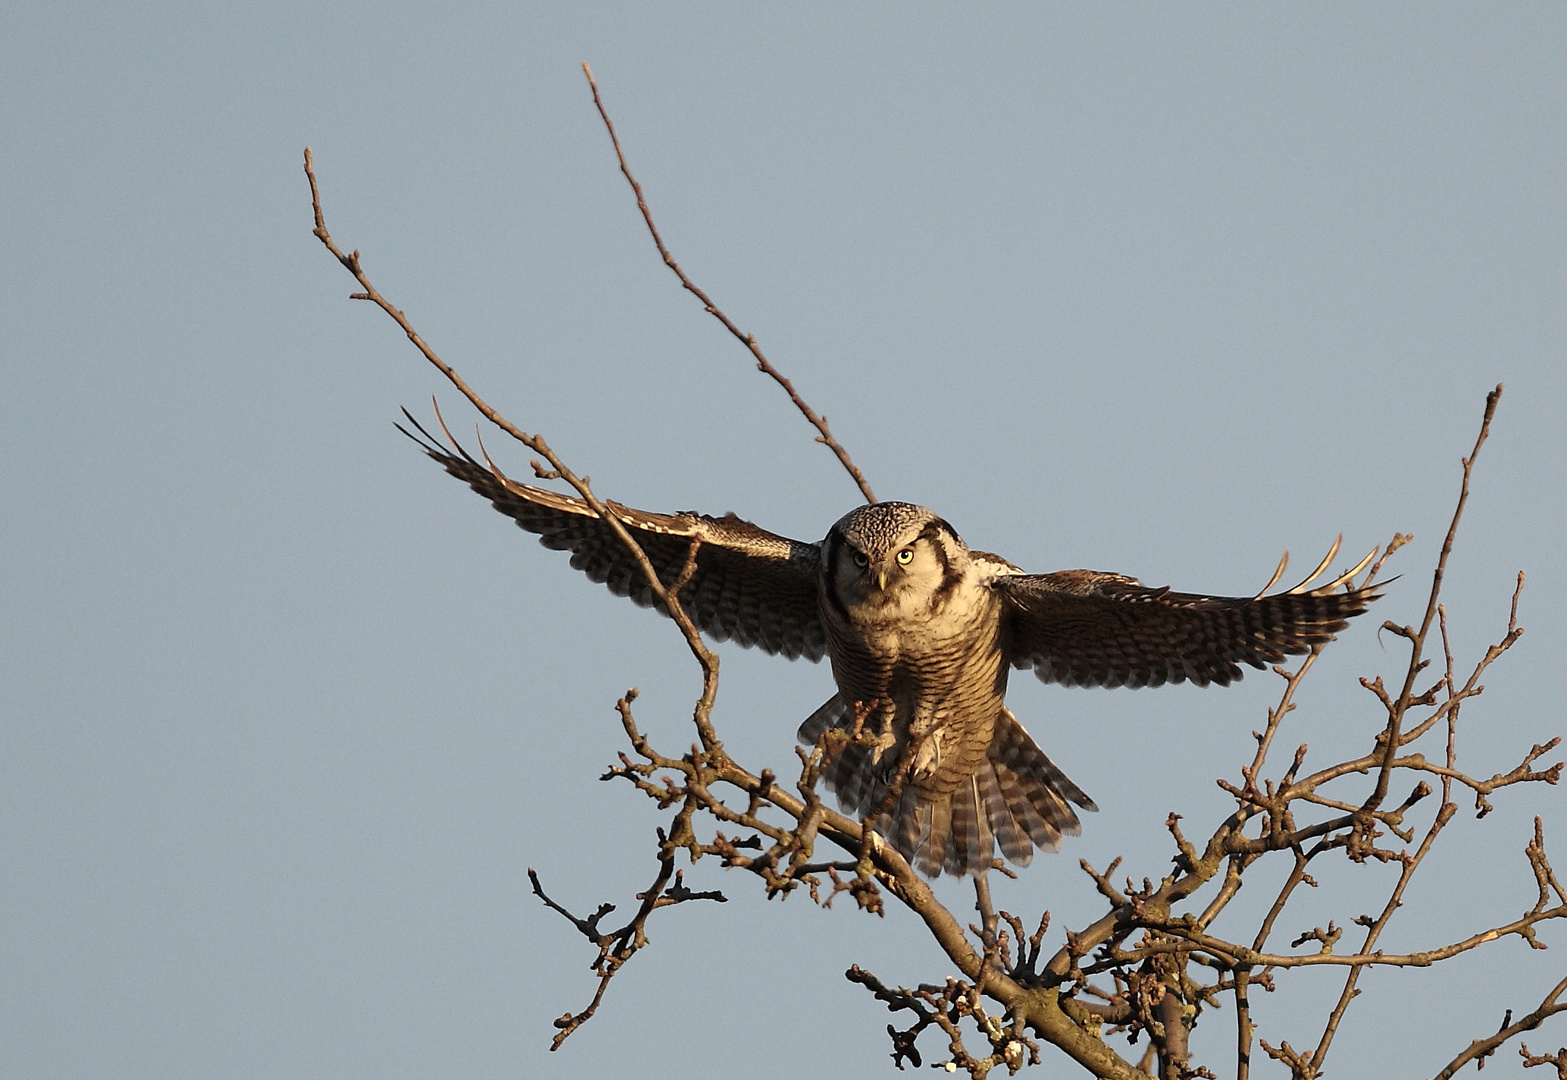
(285, 713)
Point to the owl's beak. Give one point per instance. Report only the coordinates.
(881, 579)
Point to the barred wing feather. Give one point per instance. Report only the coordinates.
(1087, 628)
(749, 585)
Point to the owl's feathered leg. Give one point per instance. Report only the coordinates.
(860, 773)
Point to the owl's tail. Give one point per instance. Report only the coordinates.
(1017, 799)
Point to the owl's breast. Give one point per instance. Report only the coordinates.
(925, 659)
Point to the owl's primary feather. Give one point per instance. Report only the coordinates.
(749, 585)
(921, 633)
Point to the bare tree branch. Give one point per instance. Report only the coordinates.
(748, 340)
(1480, 1049)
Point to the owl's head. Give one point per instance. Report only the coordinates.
(891, 552)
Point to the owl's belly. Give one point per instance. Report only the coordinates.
(921, 671)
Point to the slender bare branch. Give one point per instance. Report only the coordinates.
(1418, 642)
(1482, 1048)
(825, 436)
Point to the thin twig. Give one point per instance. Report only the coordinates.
(1480, 1048)
(748, 340)
(1419, 640)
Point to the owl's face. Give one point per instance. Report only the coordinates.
(891, 555)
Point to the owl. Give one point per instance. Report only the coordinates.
(921, 633)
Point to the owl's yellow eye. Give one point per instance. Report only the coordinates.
(905, 556)
(860, 560)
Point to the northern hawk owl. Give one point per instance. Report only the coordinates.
(921, 633)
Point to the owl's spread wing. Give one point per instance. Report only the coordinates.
(1086, 628)
(749, 585)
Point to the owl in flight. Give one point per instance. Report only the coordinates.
(921, 633)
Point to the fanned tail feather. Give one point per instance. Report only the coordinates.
(834, 712)
(1018, 800)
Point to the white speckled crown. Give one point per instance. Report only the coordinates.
(879, 527)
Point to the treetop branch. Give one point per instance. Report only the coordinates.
(825, 436)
